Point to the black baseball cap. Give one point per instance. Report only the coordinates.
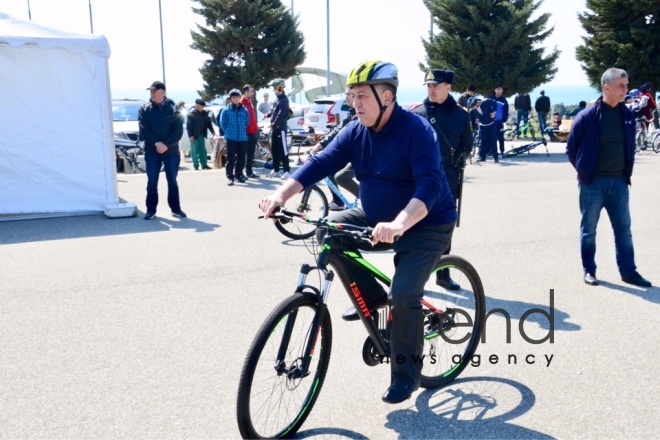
(200, 102)
(437, 76)
(156, 85)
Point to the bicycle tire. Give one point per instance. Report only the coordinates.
(447, 337)
(271, 403)
(656, 143)
(312, 202)
(137, 159)
(509, 134)
(533, 133)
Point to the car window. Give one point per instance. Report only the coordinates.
(125, 112)
(318, 108)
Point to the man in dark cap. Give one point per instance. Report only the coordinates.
(463, 99)
(501, 115)
(161, 129)
(198, 124)
(452, 125)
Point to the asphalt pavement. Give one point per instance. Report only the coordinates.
(127, 328)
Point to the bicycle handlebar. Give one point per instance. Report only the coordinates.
(359, 232)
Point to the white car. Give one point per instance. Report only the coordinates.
(324, 112)
(125, 121)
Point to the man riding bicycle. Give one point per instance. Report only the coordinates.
(404, 193)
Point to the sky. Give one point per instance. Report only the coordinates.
(390, 30)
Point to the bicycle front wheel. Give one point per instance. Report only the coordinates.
(312, 202)
(656, 142)
(509, 134)
(274, 395)
(453, 321)
(639, 141)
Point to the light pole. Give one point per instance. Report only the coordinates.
(292, 16)
(29, 11)
(91, 24)
(327, 14)
(162, 47)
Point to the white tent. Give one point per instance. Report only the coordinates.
(56, 141)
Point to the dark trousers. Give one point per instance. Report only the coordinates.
(500, 134)
(249, 153)
(170, 163)
(235, 158)
(416, 254)
(279, 150)
(488, 136)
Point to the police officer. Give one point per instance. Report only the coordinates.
(452, 125)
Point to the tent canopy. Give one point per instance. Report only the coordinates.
(313, 81)
(56, 141)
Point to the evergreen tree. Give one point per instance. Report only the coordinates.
(624, 34)
(491, 42)
(249, 42)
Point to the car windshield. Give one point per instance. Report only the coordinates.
(125, 111)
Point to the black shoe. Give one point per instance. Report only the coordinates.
(149, 215)
(231, 182)
(448, 283)
(352, 315)
(241, 179)
(636, 280)
(591, 279)
(196, 168)
(399, 393)
(207, 168)
(253, 176)
(179, 214)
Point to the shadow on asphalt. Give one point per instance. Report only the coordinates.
(651, 294)
(96, 225)
(475, 407)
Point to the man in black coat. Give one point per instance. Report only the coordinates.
(542, 107)
(452, 125)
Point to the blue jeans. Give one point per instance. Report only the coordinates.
(542, 117)
(170, 162)
(521, 115)
(610, 193)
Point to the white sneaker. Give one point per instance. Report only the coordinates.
(275, 173)
(285, 175)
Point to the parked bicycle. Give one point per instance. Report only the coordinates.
(646, 135)
(516, 133)
(133, 154)
(287, 362)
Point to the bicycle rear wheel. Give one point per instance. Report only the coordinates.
(312, 202)
(274, 396)
(516, 151)
(656, 142)
(453, 322)
(509, 134)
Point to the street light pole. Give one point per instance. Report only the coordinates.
(327, 13)
(292, 15)
(91, 23)
(162, 47)
(29, 11)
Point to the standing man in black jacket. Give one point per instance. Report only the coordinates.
(542, 107)
(161, 128)
(278, 125)
(452, 125)
(523, 105)
(198, 124)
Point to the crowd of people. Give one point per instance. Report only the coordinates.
(409, 167)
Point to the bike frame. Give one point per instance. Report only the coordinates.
(331, 253)
(339, 194)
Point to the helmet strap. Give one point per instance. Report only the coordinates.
(380, 106)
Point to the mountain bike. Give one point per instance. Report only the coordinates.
(476, 144)
(287, 362)
(311, 201)
(134, 155)
(527, 148)
(515, 133)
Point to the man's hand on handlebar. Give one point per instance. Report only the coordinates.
(270, 203)
(387, 232)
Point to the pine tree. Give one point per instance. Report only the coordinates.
(624, 34)
(491, 42)
(249, 42)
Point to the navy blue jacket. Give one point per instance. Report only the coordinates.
(583, 142)
(503, 100)
(280, 114)
(160, 123)
(398, 163)
(484, 110)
